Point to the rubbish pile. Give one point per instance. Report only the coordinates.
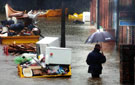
(50, 60)
(31, 66)
(15, 49)
(10, 28)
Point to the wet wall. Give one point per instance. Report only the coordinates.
(73, 5)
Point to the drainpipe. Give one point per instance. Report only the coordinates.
(117, 29)
(132, 18)
(97, 13)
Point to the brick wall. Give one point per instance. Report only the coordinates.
(106, 10)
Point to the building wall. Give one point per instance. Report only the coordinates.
(127, 12)
(106, 13)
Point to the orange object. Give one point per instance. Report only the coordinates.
(10, 12)
(53, 13)
(19, 39)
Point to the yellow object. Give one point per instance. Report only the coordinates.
(53, 13)
(75, 16)
(19, 39)
(20, 73)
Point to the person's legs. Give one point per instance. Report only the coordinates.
(95, 75)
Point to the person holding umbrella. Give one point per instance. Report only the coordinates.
(95, 59)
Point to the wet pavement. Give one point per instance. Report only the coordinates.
(76, 35)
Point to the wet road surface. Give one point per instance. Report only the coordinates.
(75, 37)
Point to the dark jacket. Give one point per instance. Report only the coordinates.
(95, 60)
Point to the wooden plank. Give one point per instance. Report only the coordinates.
(120, 34)
(125, 34)
(105, 13)
(100, 13)
(19, 39)
(91, 11)
(110, 14)
(107, 18)
(94, 9)
(112, 7)
(35, 67)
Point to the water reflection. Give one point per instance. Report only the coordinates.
(94, 81)
(52, 26)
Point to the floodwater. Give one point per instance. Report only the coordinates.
(76, 35)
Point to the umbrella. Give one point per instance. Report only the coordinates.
(99, 36)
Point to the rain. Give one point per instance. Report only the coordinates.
(75, 37)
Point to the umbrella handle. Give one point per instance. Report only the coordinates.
(101, 48)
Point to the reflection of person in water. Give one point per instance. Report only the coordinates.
(95, 60)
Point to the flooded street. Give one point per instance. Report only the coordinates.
(76, 35)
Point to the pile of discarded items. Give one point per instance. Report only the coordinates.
(38, 58)
(33, 13)
(19, 49)
(50, 60)
(11, 32)
(9, 28)
(32, 67)
(19, 30)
